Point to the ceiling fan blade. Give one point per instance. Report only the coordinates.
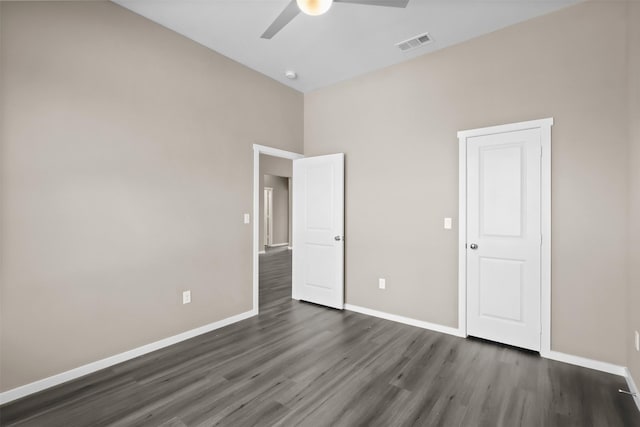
(385, 3)
(283, 19)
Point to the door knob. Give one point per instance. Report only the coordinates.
(337, 238)
(473, 246)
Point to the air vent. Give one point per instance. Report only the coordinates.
(414, 42)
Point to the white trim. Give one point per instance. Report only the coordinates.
(462, 236)
(531, 124)
(597, 365)
(270, 151)
(36, 386)
(277, 245)
(632, 387)
(276, 152)
(552, 355)
(290, 248)
(545, 207)
(545, 229)
(406, 320)
(262, 252)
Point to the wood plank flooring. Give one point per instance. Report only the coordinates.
(298, 364)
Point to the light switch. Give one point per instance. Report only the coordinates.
(247, 219)
(447, 223)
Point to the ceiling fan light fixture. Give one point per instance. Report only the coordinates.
(314, 7)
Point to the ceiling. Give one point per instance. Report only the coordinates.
(349, 40)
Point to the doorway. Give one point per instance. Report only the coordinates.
(270, 162)
(317, 233)
(276, 215)
(505, 240)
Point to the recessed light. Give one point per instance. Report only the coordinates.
(291, 75)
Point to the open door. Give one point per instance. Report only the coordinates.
(318, 230)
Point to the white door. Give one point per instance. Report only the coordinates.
(318, 230)
(504, 237)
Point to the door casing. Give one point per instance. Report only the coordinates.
(275, 152)
(545, 214)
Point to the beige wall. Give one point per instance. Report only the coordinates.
(633, 300)
(398, 129)
(276, 166)
(280, 201)
(125, 167)
(126, 161)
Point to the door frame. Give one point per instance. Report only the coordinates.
(269, 151)
(545, 217)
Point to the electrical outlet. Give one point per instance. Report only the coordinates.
(382, 283)
(247, 218)
(186, 297)
(637, 341)
(447, 223)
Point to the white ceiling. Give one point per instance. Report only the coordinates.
(349, 40)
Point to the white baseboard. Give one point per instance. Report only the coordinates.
(277, 245)
(36, 386)
(290, 248)
(406, 320)
(262, 252)
(553, 355)
(632, 387)
(585, 363)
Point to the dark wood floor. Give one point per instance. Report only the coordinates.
(301, 364)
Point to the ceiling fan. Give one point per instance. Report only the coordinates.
(318, 7)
